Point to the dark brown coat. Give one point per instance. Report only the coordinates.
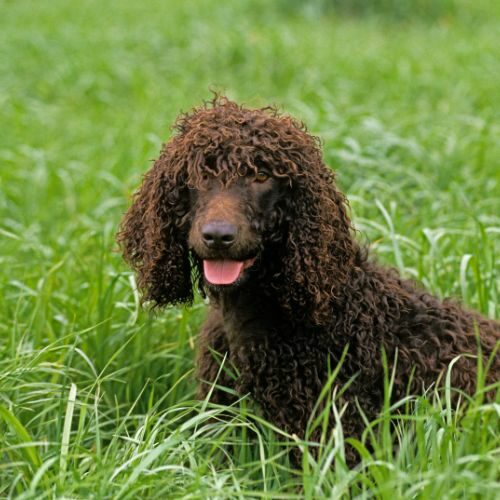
(309, 290)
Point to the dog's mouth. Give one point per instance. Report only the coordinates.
(225, 271)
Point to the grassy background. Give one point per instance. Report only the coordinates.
(96, 396)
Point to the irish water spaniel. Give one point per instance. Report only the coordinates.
(241, 204)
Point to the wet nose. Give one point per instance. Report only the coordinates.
(218, 234)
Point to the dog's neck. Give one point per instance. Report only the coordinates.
(248, 311)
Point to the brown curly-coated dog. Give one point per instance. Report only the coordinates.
(241, 202)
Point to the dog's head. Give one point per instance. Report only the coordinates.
(239, 196)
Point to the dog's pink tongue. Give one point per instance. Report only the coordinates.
(222, 272)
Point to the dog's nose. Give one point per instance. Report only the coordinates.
(218, 234)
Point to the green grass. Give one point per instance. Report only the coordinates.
(97, 396)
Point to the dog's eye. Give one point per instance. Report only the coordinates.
(261, 176)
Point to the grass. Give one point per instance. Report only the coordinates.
(97, 396)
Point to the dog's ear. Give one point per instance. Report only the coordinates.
(320, 248)
(152, 238)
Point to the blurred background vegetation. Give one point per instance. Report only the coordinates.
(398, 10)
(404, 95)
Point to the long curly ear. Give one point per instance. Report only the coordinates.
(152, 238)
(320, 249)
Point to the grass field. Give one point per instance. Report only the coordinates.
(96, 396)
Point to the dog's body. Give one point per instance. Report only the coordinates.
(245, 194)
(284, 365)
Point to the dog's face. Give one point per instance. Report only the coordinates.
(231, 225)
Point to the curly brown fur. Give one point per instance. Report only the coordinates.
(249, 186)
